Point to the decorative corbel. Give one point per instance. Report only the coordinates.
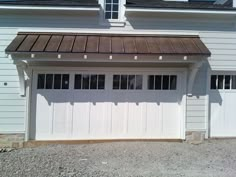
(21, 66)
(191, 77)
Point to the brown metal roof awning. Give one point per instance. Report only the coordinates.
(69, 43)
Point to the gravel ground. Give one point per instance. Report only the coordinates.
(213, 158)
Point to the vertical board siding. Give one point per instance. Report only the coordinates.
(218, 35)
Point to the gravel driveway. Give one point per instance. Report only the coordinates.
(214, 158)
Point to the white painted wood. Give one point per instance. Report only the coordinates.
(108, 114)
(196, 126)
(12, 108)
(12, 120)
(12, 102)
(7, 114)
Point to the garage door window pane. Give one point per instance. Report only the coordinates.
(57, 81)
(85, 81)
(165, 83)
(227, 82)
(158, 82)
(124, 82)
(173, 82)
(151, 82)
(78, 81)
(93, 82)
(41, 81)
(116, 82)
(49, 81)
(101, 82)
(234, 82)
(65, 81)
(213, 82)
(131, 82)
(220, 81)
(139, 82)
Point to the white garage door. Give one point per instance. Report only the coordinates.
(222, 105)
(107, 105)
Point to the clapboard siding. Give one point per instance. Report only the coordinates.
(11, 96)
(12, 108)
(8, 72)
(196, 105)
(12, 105)
(8, 102)
(12, 120)
(18, 114)
(12, 127)
(196, 126)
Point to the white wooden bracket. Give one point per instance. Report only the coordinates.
(191, 77)
(21, 66)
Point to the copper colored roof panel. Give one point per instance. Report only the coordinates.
(107, 44)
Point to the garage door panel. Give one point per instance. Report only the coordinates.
(99, 122)
(135, 119)
(81, 119)
(60, 118)
(153, 121)
(230, 114)
(170, 119)
(43, 117)
(119, 119)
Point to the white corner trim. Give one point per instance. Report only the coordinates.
(10, 7)
(192, 11)
(21, 66)
(191, 77)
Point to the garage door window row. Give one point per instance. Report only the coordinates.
(89, 81)
(53, 81)
(162, 82)
(223, 82)
(127, 82)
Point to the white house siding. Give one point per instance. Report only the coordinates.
(12, 105)
(217, 33)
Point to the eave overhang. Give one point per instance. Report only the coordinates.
(72, 45)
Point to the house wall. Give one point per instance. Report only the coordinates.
(217, 32)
